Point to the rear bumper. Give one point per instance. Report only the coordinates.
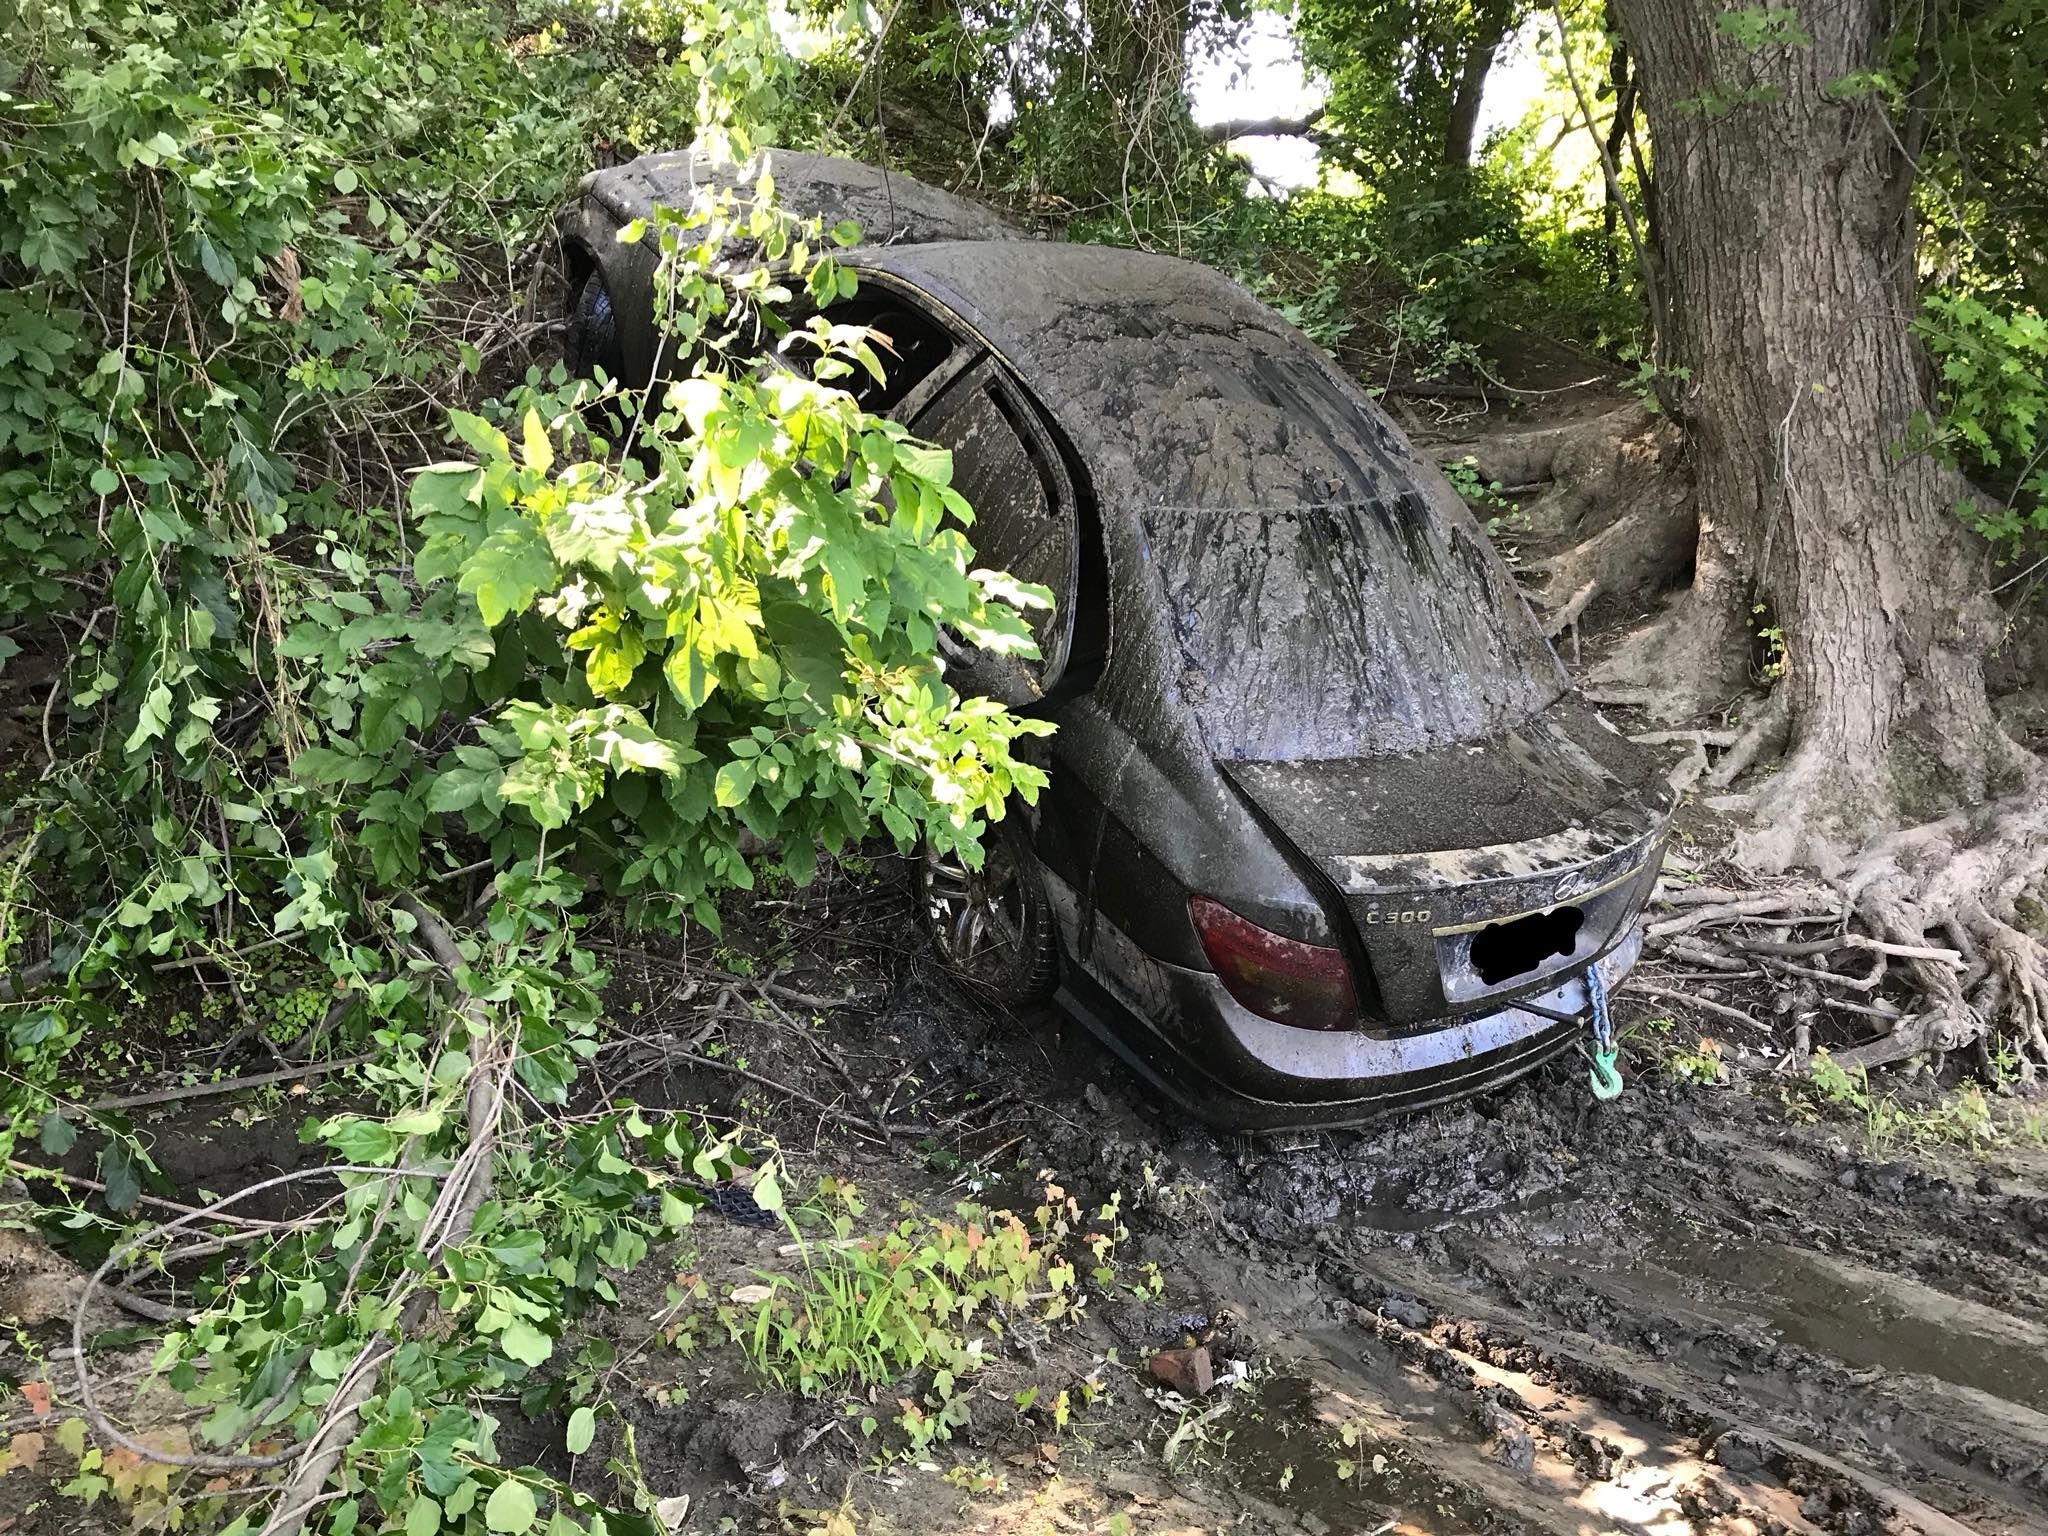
(1240, 1071)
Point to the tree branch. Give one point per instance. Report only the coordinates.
(1265, 128)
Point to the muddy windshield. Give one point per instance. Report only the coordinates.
(1345, 629)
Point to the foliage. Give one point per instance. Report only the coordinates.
(1086, 101)
(1416, 289)
(1993, 366)
(1479, 493)
(1962, 1116)
(926, 1296)
(306, 665)
(1405, 77)
(736, 637)
(1702, 1066)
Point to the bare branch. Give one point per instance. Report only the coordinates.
(1304, 127)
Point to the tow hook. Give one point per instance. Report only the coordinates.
(1605, 1077)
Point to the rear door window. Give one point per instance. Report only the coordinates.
(1025, 519)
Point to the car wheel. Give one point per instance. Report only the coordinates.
(594, 331)
(992, 927)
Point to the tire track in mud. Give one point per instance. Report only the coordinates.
(1680, 1314)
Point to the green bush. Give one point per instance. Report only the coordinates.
(1993, 394)
(259, 260)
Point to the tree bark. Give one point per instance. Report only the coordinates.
(1786, 235)
(1468, 89)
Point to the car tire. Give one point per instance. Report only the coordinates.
(993, 928)
(593, 340)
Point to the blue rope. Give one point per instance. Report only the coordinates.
(1605, 1076)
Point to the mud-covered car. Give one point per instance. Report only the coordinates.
(1328, 831)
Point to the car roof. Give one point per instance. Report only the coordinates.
(889, 206)
(1266, 524)
(1176, 386)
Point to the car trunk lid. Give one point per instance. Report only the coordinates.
(1474, 873)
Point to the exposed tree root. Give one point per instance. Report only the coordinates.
(1764, 734)
(1925, 932)
(1667, 667)
(1606, 500)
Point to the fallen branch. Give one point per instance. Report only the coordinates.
(31, 978)
(212, 1461)
(1712, 960)
(836, 1112)
(1749, 906)
(466, 1187)
(80, 1181)
(1734, 1015)
(1950, 957)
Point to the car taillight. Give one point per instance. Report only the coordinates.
(1278, 978)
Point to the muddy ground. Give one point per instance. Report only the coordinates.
(1685, 1311)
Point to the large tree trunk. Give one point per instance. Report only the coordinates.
(1788, 243)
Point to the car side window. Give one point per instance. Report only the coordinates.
(1025, 519)
(911, 346)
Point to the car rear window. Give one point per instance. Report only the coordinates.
(1344, 628)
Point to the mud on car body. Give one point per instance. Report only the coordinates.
(1328, 832)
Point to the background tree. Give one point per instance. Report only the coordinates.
(1786, 170)
(1406, 76)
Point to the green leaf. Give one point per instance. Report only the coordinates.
(59, 1135)
(423, 1519)
(925, 462)
(346, 180)
(538, 452)
(687, 674)
(614, 656)
(456, 790)
(360, 1141)
(480, 435)
(525, 1343)
(123, 1180)
(511, 1509)
(735, 782)
(582, 1430)
(105, 481)
(324, 765)
(507, 572)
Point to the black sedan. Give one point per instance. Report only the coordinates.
(1328, 831)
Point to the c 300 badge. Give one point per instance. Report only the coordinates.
(1410, 916)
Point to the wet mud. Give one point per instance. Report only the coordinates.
(1685, 1311)
(1682, 1312)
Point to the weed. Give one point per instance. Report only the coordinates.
(1770, 639)
(1959, 1117)
(734, 962)
(1702, 1065)
(928, 1294)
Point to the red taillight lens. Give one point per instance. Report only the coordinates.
(1282, 979)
